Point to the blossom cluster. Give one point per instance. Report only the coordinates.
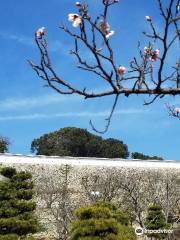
(105, 29)
(40, 32)
(152, 54)
(76, 19)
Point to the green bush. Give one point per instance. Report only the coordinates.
(16, 205)
(24, 206)
(8, 172)
(17, 226)
(156, 220)
(22, 176)
(25, 194)
(14, 237)
(6, 211)
(101, 221)
(6, 191)
(9, 237)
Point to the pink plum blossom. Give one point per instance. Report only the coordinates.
(156, 52)
(152, 54)
(75, 19)
(40, 32)
(121, 70)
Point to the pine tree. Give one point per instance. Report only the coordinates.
(17, 218)
(156, 220)
(101, 221)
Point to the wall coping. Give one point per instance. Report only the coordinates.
(86, 161)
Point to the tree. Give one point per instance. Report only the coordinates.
(133, 189)
(16, 206)
(57, 194)
(156, 221)
(148, 73)
(113, 147)
(103, 221)
(4, 143)
(78, 142)
(137, 155)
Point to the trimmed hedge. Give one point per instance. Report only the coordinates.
(101, 221)
(16, 205)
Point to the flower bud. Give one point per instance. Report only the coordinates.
(78, 4)
(121, 70)
(148, 18)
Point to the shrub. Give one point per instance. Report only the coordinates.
(9, 237)
(16, 205)
(101, 221)
(8, 172)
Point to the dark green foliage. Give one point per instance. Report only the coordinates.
(16, 207)
(8, 172)
(22, 206)
(14, 237)
(22, 176)
(9, 237)
(78, 142)
(101, 221)
(25, 194)
(18, 226)
(113, 148)
(156, 221)
(6, 191)
(136, 155)
(4, 144)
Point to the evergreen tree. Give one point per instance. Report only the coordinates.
(101, 221)
(17, 218)
(137, 155)
(78, 142)
(4, 144)
(155, 220)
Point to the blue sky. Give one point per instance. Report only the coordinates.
(28, 109)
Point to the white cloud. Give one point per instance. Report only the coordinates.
(54, 45)
(18, 38)
(83, 114)
(32, 102)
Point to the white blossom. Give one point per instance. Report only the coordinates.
(75, 19)
(110, 34)
(177, 110)
(40, 32)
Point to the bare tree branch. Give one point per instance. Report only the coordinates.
(107, 119)
(94, 36)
